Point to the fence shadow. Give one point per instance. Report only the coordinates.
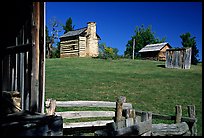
(161, 66)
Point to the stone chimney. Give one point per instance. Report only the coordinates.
(91, 29)
(92, 40)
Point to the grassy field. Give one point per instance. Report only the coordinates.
(148, 85)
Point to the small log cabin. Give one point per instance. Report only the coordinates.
(22, 71)
(178, 58)
(155, 51)
(80, 43)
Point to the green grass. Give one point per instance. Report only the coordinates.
(148, 85)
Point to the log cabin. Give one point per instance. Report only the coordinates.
(80, 43)
(22, 71)
(155, 51)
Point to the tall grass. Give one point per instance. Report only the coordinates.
(148, 85)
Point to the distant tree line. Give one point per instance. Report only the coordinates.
(142, 37)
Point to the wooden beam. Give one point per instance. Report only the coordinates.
(85, 114)
(90, 104)
(34, 101)
(42, 58)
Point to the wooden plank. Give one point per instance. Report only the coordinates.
(85, 114)
(169, 129)
(87, 124)
(90, 104)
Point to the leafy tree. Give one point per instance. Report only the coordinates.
(188, 41)
(106, 52)
(143, 36)
(68, 26)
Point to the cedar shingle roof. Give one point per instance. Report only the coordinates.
(74, 32)
(153, 47)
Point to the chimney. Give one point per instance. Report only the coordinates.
(92, 40)
(91, 30)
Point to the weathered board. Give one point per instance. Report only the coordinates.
(178, 58)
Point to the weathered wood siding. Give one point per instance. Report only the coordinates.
(162, 53)
(156, 54)
(69, 48)
(82, 46)
(178, 58)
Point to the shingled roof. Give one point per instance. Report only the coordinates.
(154, 47)
(74, 32)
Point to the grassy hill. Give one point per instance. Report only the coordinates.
(148, 85)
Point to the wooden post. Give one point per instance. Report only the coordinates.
(22, 65)
(191, 114)
(178, 114)
(42, 58)
(34, 101)
(133, 49)
(50, 106)
(146, 116)
(119, 108)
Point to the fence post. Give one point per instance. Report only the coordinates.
(119, 108)
(146, 116)
(178, 114)
(191, 114)
(50, 107)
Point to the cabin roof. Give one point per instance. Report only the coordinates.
(154, 47)
(74, 32)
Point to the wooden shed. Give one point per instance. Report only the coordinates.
(155, 51)
(80, 43)
(178, 58)
(22, 71)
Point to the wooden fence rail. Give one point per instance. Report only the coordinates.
(125, 120)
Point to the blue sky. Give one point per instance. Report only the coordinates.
(116, 21)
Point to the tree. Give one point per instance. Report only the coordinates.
(56, 27)
(48, 48)
(143, 36)
(68, 26)
(188, 41)
(106, 52)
